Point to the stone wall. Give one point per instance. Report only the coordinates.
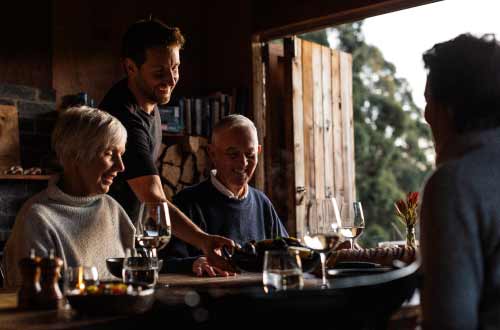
(37, 114)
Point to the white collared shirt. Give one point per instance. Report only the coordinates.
(223, 189)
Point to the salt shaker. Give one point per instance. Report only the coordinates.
(50, 296)
(30, 289)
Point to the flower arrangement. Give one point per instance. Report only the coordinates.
(406, 211)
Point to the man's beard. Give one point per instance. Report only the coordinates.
(158, 99)
(151, 95)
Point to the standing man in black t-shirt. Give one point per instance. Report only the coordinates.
(150, 54)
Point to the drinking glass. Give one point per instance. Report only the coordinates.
(282, 270)
(78, 279)
(323, 236)
(140, 270)
(353, 221)
(153, 230)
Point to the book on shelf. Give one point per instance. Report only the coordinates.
(197, 118)
(196, 115)
(172, 118)
(186, 106)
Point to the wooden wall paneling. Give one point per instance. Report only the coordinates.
(347, 125)
(326, 78)
(308, 120)
(87, 46)
(26, 51)
(277, 157)
(259, 110)
(319, 149)
(294, 136)
(317, 159)
(226, 30)
(338, 164)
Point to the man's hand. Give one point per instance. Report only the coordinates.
(212, 247)
(201, 266)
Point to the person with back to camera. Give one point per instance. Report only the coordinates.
(74, 216)
(460, 211)
(151, 60)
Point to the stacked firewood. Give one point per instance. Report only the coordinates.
(184, 164)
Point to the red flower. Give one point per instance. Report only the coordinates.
(407, 210)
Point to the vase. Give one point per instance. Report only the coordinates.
(410, 236)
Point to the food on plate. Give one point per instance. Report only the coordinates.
(113, 288)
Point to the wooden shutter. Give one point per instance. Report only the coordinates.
(325, 115)
(309, 119)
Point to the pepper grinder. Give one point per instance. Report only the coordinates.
(30, 289)
(50, 296)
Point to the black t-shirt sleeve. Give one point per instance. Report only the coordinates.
(139, 154)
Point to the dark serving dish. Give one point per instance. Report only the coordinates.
(138, 300)
(250, 258)
(356, 268)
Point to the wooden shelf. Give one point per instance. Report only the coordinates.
(169, 134)
(23, 177)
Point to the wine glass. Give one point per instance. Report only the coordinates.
(322, 236)
(153, 230)
(353, 221)
(80, 278)
(140, 270)
(282, 270)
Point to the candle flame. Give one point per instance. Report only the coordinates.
(81, 285)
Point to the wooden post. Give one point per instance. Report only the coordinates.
(326, 78)
(347, 125)
(259, 107)
(338, 177)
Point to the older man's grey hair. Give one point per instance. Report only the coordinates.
(81, 133)
(230, 122)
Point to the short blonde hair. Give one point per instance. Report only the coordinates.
(81, 133)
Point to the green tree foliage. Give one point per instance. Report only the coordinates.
(391, 139)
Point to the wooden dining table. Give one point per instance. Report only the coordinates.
(218, 295)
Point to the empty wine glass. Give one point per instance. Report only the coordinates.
(353, 221)
(153, 229)
(321, 235)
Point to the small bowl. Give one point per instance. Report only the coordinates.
(115, 266)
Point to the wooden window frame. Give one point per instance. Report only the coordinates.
(329, 20)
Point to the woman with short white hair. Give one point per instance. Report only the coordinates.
(74, 216)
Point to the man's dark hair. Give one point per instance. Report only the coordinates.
(145, 34)
(464, 76)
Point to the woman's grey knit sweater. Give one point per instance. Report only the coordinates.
(81, 230)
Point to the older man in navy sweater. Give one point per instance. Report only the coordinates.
(225, 204)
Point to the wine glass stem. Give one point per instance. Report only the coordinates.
(322, 256)
(152, 253)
